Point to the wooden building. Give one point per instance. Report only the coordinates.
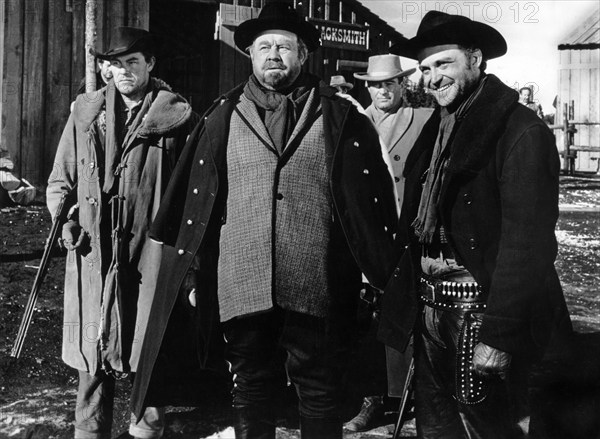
(579, 93)
(42, 57)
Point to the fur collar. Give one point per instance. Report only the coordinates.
(477, 135)
(168, 111)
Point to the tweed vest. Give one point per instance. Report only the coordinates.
(275, 242)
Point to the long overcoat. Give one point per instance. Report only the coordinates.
(106, 309)
(499, 207)
(188, 224)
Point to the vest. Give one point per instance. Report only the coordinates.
(275, 242)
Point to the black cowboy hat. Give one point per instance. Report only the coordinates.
(439, 28)
(277, 15)
(126, 40)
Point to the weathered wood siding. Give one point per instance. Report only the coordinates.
(579, 77)
(43, 63)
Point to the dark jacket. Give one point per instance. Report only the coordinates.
(191, 216)
(499, 207)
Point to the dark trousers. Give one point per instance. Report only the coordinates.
(439, 415)
(313, 351)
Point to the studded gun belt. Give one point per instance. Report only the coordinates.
(442, 294)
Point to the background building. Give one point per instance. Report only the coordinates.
(42, 56)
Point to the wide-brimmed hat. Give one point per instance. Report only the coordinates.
(277, 15)
(438, 28)
(126, 40)
(382, 68)
(340, 81)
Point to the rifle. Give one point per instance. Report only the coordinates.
(405, 395)
(58, 221)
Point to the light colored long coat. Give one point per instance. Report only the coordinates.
(107, 295)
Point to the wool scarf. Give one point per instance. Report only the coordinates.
(427, 217)
(280, 109)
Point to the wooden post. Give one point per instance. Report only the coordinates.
(90, 43)
(566, 152)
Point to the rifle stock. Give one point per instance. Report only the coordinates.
(58, 221)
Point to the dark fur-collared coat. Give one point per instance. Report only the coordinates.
(190, 218)
(499, 207)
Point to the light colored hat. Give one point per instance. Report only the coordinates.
(382, 68)
(340, 81)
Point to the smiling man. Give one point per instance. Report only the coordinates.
(118, 148)
(280, 201)
(476, 282)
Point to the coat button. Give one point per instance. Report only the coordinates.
(195, 191)
(201, 162)
(279, 196)
(190, 222)
(92, 200)
(181, 251)
(396, 179)
(467, 199)
(397, 157)
(396, 272)
(356, 144)
(375, 200)
(385, 229)
(365, 171)
(473, 243)
(92, 165)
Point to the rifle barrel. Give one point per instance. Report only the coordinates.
(37, 283)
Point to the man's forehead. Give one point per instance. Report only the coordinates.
(276, 35)
(438, 52)
(127, 56)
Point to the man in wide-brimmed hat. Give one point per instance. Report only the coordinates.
(279, 202)
(116, 152)
(339, 82)
(399, 126)
(476, 284)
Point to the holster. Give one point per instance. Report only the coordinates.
(470, 387)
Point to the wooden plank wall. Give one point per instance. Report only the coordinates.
(579, 77)
(43, 63)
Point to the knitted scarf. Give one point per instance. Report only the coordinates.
(280, 109)
(426, 222)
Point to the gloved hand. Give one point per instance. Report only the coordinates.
(73, 236)
(488, 361)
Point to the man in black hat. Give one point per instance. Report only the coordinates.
(116, 152)
(476, 283)
(280, 200)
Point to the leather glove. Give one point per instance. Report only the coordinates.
(73, 236)
(488, 361)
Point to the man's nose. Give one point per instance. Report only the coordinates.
(435, 77)
(273, 53)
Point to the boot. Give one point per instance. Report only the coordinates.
(251, 423)
(320, 428)
(371, 412)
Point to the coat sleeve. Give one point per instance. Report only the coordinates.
(64, 170)
(528, 190)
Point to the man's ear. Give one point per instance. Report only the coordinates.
(476, 58)
(151, 63)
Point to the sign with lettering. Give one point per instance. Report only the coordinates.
(342, 35)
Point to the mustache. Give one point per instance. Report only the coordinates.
(273, 65)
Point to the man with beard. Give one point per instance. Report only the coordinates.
(116, 152)
(476, 283)
(279, 202)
